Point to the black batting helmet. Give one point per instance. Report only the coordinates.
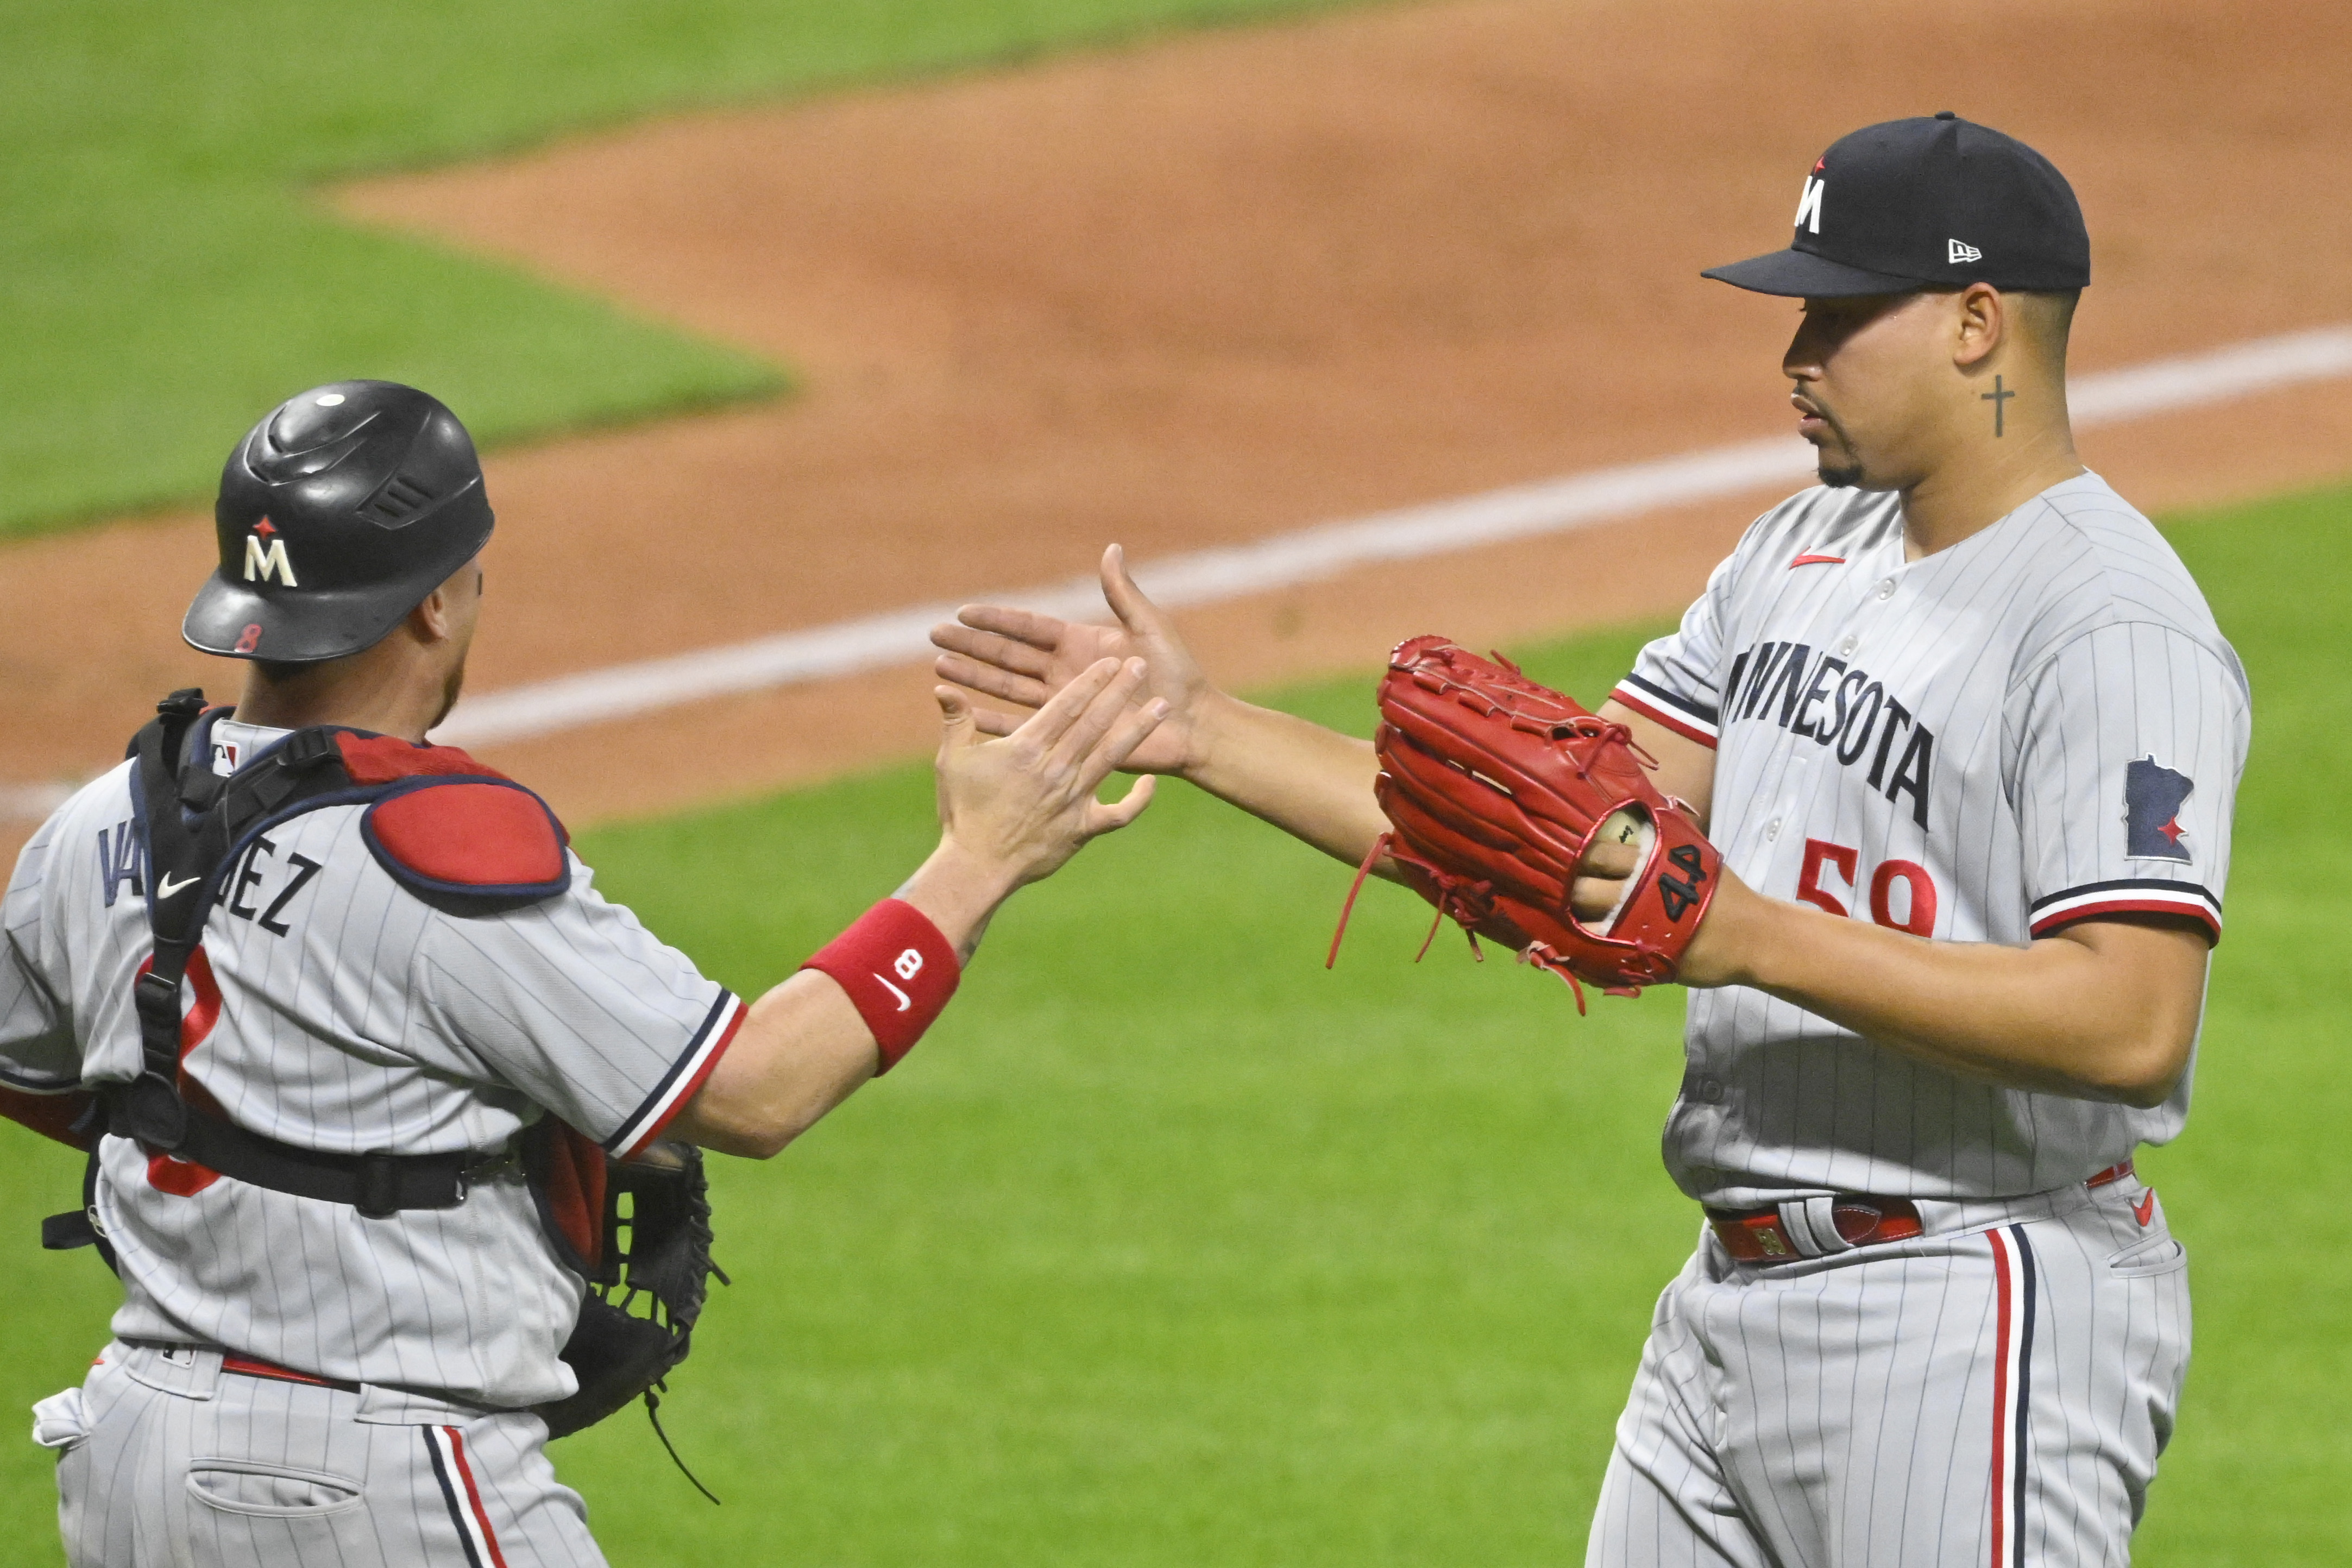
(338, 514)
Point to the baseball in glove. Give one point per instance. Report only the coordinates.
(1495, 787)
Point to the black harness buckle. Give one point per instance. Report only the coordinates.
(376, 1175)
(152, 1112)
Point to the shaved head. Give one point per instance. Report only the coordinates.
(2045, 319)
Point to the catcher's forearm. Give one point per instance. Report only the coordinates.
(804, 1046)
(2104, 1010)
(1313, 783)
(802, 1049)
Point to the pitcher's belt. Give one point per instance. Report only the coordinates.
(1776, 1236)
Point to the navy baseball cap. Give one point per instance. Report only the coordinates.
(1927, 203)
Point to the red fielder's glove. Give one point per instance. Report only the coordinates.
(1495, 785)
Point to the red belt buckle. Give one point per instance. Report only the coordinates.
(1754, 1237)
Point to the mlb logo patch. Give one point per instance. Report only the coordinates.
(2153, 794)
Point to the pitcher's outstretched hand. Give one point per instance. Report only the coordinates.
(1025, 802)
(1024, 658)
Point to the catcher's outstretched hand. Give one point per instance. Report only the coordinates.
(1011, 811)
(1022, 658)
(1024, 803)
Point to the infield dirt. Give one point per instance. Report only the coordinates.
(1230, 283)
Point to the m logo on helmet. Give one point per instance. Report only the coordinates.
(263, 562)
(1809, 205)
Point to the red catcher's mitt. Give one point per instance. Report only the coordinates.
(1495, 785)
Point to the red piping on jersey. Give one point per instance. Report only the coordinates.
(1817, 560)
(2190, 907)
(693, 1085)
(1659, 716)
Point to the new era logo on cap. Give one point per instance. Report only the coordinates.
(1957, 252)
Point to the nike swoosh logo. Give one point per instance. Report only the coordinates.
(905, 1001)
(2145, 1209)
(167, 887)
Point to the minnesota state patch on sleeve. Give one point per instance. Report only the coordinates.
(2153, 795)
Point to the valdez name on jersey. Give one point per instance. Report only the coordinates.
(2039, 724)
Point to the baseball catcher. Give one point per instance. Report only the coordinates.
(365, 1066)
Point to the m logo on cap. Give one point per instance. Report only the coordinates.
(261, 563)
(1809, 205)
(1956, 253)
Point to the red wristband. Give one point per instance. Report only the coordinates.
(899, 971)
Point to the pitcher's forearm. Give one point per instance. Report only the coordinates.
(1313, 783)
(2103, 1012)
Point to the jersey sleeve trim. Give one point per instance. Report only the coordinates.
(1684, 717)
(2127, 895)
(25, 1081)
(684, 1076)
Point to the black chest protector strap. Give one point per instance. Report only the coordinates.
(195, 823)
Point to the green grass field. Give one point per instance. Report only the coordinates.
(1169, 1248)
(166, 275)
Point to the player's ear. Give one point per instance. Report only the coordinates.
(433, 619)
(436, 616)
(1980, 320)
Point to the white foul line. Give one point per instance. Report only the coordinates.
(1311, 554)
(1305, 555)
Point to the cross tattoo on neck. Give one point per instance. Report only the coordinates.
(1997, 397)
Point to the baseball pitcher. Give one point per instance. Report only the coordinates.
(1962, 739)
(362, 1060)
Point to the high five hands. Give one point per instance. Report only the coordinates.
(1024, 658)
(1318, 785)
(1024, 803)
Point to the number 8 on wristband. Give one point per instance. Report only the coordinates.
(893, 938)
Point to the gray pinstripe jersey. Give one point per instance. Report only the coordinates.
(332, 1009)
(2039, 724)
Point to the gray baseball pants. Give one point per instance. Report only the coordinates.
(1992, 1394)
(166, 1462)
